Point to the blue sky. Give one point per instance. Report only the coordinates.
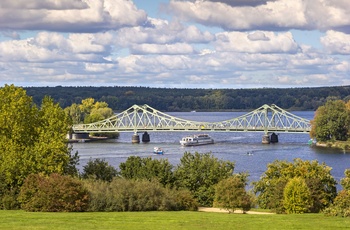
(175, 43)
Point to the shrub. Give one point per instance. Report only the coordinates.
(55, 193)
(231, 194)
(99, 170)
(8, 195)
(136, 195)
(320, 182)
(296, 196)
(341, 205)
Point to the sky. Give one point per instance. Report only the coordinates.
(175, 43)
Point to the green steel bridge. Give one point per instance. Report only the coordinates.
(267, 119)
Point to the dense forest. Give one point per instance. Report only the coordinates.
(173, 99)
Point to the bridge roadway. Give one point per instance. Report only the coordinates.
(267, 119)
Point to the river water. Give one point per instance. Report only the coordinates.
(228, 146)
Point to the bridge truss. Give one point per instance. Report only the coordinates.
(144, 118)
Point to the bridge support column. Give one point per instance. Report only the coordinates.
(274, 138)
(266, 139)
(145, 137)
(135, 139)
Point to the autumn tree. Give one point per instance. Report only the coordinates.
(296, 196)
(320, 182)
(32, 139)
(199, 173)
(88, 111)
(231, 194)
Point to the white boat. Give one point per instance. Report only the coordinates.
(194, 140)
(158, 150)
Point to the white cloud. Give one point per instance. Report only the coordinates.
(162, 32)
(178, 48)
(271, 15)
(336, 42)
(122, 46)
(259, 42)
(68, 16)
(43, 4)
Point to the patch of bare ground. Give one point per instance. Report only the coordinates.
(204, 209)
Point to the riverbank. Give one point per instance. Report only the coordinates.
(90, 139)
(344, 145)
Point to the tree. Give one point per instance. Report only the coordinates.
(296, 196)
(100, 170)
(331, 122)
(32, 140)
(341, 204)
(88, 111)
(75, 113)
(345, 182)
(147, 168)
(200, 173)
(230, 193)
(321, 183)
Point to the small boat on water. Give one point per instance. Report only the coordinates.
(158, 150)
(194, 140)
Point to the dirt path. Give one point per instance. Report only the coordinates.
(203, 209)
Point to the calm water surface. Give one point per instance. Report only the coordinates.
(228, 146)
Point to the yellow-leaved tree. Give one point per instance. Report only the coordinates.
(32, 138)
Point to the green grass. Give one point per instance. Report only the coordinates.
(166, 220)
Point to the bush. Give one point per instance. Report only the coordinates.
(231, 194)
(55, 193)
(296, 196)
(341, 205)
(141, 195)
(320, 182)
(99, 170)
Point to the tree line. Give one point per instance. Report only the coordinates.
(173, 99)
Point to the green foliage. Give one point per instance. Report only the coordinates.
(55, 193)
(296, 196)
(147, 168)
(341, 205)
(99, 170)
(345, 182)
(231, 194)
(32, 139)
(270, 187)
(331, 122)
(8, 196)
(75, 114)
(141, 195)
(199, 173)
(88, 111)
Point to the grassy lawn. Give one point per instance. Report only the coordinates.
(166, 220)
